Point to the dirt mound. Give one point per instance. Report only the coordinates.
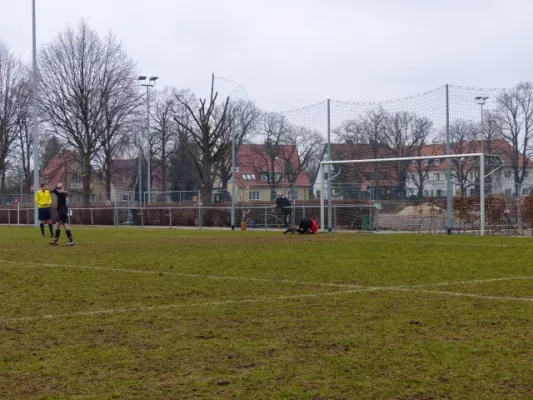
(422, 210)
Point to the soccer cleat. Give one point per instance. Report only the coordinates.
(53, 243)
(71, 243)
(42, 236)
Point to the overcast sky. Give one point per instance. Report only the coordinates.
(291, 53)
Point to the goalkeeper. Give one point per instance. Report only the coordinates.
(307, 225)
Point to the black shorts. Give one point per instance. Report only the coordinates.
(62, 219)
(45, 214)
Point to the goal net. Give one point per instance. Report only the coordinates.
(420, 194)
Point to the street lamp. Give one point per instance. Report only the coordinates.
(148, 83)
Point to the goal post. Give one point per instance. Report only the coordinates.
(472, 157)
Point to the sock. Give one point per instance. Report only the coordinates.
(69, 235)
(42, 229)
(51, 227)
(58, 232)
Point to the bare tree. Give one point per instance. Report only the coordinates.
(12, 77)
(464, 136)
(164, 130)
(24, 143)
(419, 170)
(514, 119)
(86, 93)
(403, 135)
(246, 118)
(300, 147)
(207, 135)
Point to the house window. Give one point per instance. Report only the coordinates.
(507, 174)
(426, 162)
(437, 177)
(437, 161)
(431, 192)
(253, 195)
(125, 197)
(525, 191)
(264, 177)
(414, 162)
(439, 193)
(426, 193)
(469, 159)
(296, 195)
(508, 192)
(526, 173)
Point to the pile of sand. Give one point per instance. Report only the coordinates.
(422, 210)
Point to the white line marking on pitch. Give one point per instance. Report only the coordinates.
(458, 294)
(145, 272)
(170, 306)
(447, 243)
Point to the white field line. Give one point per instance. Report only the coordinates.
(252, 279)
(446, 243)
(197, 276)
(472, 281)
(458, 294)
(181, 305)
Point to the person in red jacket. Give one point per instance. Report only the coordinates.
(307, 226)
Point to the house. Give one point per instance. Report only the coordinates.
(426, 178)
(465, 173)
(65, 167)
(261, 173)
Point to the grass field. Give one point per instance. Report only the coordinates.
(177, 314)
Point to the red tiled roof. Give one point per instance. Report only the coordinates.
(253, 159)
(54, 171)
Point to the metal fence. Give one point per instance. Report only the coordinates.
(504, 216)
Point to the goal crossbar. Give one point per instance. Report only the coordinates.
(416, 158)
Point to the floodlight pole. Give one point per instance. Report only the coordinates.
(36, 163)
(233, 169)
(148, 83)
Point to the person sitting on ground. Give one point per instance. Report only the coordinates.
(307, 226)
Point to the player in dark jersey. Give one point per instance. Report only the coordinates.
(62, 212)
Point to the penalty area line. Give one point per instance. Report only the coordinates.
(177, 274)
(459, 294)
(177, 306)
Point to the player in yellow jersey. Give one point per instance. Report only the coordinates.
(44, 201)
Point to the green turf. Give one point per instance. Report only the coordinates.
(176, 314)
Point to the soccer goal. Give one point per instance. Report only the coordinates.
(422, 194)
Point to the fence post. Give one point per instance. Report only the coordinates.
(303, 211)
(199, 211)
(266, 219)
(92, 218)
(8, 216)
(142, 217)
(169, 218)
(28, 216)
(18, 214)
